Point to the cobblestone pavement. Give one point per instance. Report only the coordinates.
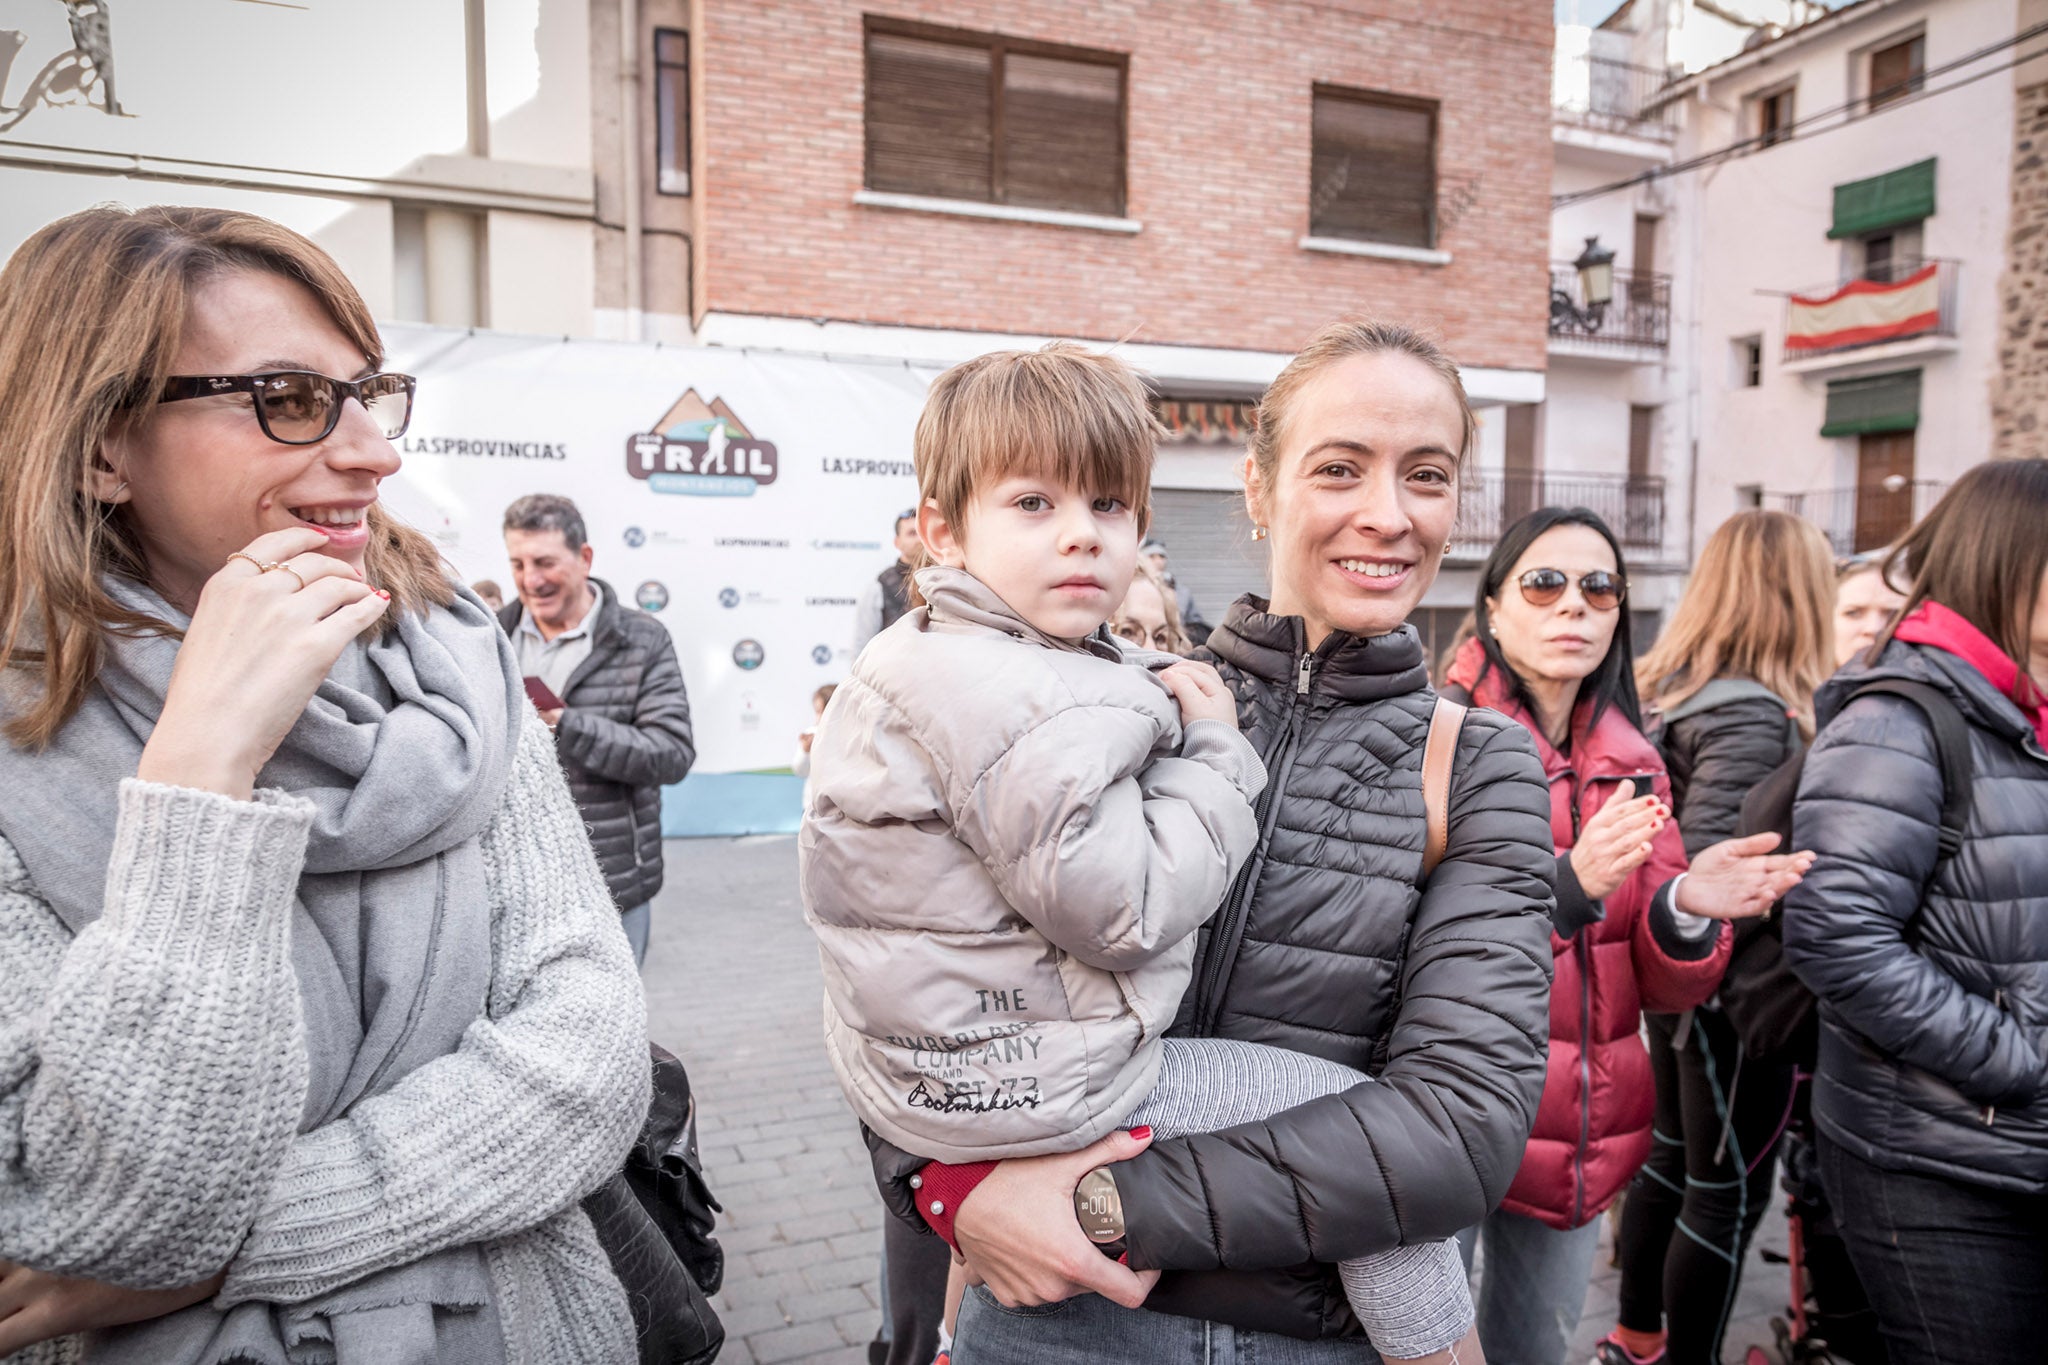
(732, 989)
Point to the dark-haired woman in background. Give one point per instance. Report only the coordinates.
(1632, 928)
(1932, 1091)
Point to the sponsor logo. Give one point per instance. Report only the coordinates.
(750, 543)
(748, 654)
(701, 450)
(651, 596)
(892, 469)
(475, 446)
(635, 537)
(728, 598)
(864, 546)
(831, 601)
(733, 597)
(821, 655)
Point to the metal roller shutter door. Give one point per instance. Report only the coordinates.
(1209, 546)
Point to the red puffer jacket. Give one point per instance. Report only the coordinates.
(1614, 959)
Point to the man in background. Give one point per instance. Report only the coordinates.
(888, 597)
(622, 729)
(1153, 552)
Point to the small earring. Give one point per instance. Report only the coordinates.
(1258, 533)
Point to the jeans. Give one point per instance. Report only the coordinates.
(1697, 1201)
(636, 922)
(1956, 1272)
(1090, 1330)
(1532, 1286)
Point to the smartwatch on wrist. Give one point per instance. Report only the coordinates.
(1100, 1210)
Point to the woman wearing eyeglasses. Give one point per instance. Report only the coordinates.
(1632, 928)
(316, 1021)
(1149, 617)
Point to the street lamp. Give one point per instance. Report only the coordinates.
(1596, 274)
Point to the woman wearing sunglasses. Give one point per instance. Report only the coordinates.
(316, 1021)
(1632, 928)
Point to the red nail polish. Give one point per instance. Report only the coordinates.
(383, 594)
(1143, 1132)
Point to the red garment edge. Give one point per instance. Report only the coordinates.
(945, 1188)
(1934, 624)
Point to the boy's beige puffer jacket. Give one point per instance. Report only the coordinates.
(1007, 847)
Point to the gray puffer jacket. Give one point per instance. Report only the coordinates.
(1933, 980)
(1327, 946)
(625, 735)
(1007, 846)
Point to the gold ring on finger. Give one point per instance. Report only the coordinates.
(293, 572)
(252, 559)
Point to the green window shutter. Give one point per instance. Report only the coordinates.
(1905, 195)
(1872, 403)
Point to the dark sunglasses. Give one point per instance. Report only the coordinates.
(301, 408)
(1602, 590)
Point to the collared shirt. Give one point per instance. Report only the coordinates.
(552, 661)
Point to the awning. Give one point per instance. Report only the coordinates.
(1873, 403)
(1863, 312)
(1902, 196)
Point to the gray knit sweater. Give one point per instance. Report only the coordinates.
(148, 1065)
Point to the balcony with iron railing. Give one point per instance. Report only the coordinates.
(1857, 518)
(1906, 305)
(1636, 320)
(1492, 501)
(1606, 94)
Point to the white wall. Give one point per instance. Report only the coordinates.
(322, 117)
(1762, 222)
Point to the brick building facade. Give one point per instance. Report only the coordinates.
(1218, 144)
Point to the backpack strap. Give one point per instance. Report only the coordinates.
(1437, 753)
(1951, 751)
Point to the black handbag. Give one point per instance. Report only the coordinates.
(655, 1221)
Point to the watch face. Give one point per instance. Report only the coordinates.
(1099, 1207)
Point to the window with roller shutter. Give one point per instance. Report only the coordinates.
(994, 120)
(1372, 174)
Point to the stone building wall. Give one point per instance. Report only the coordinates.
(2019, 398)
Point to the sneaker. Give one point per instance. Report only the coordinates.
(1610, 1351)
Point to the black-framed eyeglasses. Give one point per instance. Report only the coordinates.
(1602, 590)
(300, 407)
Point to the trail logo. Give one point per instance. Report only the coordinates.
(701, 450)
(748, 654)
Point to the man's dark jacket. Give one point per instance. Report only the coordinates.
(625, 735)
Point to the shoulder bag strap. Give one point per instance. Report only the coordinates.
(1437, 753)
(1951, 751)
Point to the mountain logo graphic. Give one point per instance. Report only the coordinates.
(701, 450)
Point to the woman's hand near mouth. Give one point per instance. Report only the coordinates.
(260, 644)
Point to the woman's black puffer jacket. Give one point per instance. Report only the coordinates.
(1933, 980)
(1716, 756)
(1444, 996)
(1327, 947)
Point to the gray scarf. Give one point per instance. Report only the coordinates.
(405, 752)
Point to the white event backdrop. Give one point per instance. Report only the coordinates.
(744, 497)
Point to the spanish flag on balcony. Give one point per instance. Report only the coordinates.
(1865, 311)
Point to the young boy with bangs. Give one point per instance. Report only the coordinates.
(1015, 826)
